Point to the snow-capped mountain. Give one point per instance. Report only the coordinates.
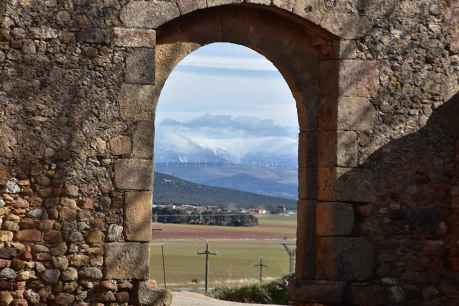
(226, 139)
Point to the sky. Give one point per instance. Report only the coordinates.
(226, 79)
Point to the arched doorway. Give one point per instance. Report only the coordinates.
(329, 95)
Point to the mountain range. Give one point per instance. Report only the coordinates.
(169, 189)
(242, 153)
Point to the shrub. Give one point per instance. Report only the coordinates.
(271, 293)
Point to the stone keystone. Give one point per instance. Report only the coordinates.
(126, 260)
(133, 174)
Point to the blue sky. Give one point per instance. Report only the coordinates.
(226, 79)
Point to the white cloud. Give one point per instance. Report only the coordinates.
(224, 62)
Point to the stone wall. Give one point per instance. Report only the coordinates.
(79, 81)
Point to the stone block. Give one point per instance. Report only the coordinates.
(350, 78)
(148, 294)
(137, 101)
(6, 236)
(133, 174)
(317, 292)
(143, 139)
(364, 294)
(29, 235)
(211, 3)
(347, 149)
(134, 38)
(148, 14)
(95, 36)
(311, 10)
(346, 113)
(120, 145)
(138, 216)
(356, 114)
(328, 149)
(317, 183)
(140, 66)
(287, 5)
(334, 219)
(126, 260)
(344, 259)
(188, 6)
(354, 185)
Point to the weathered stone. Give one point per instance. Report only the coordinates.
(137, 101)
(143, 140)
(126, 260)
(371, 295)
(6, 236)
(120, 145)
(51, 276)
(12, 186)
(7, 273)
(188, 6)
(350, 78)
(64, 299)
(79, 260)
(71, 190)
(317, 291)
(29, 235)
(134, 174)
(32, 296)
(134, 38)
(6, 297)
(148, 294)
(35, 213)
(95, 237)
(138, 216)
(212, 3)
(148, 14)
(140, 68)
(60, 262)
(91, 273)
(347, 259)
(334, 219)
(70, 274)
(115, 232)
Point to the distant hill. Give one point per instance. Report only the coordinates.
(170, 189)
(270, 181)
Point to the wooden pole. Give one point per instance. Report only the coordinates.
(260, 267)
(206, 272)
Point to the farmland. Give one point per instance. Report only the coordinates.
(238, 249)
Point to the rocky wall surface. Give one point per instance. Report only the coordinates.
(75, 144)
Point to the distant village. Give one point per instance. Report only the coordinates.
(212, 215)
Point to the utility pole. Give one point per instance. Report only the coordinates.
(207, 253)
(260, 267)
(164, 266)
(291, 255)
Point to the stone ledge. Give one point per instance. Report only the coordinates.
(317, 292)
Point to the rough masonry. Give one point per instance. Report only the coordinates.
(377, 90)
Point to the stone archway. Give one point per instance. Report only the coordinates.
(332, 101)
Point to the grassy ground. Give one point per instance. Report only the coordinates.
(237, 255)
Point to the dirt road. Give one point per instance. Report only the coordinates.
(196, 299)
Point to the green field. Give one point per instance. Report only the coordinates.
(234, 264)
